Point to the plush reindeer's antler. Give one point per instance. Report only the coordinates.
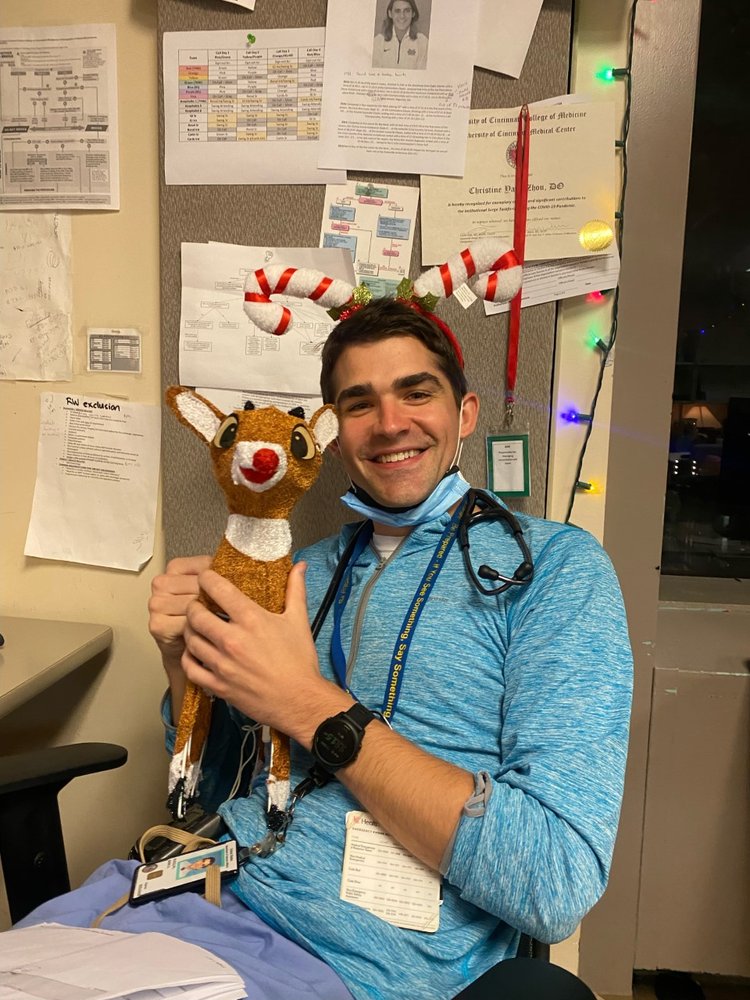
(491, 262)
(264, 460)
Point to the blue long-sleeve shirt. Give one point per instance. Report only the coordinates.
(531, 686)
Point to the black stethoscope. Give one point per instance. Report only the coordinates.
(491, 510)
(480, 508)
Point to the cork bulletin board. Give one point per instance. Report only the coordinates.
(275, 215)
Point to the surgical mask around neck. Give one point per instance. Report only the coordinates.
(447, 492)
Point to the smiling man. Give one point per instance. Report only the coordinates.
(402, 419)
(482, 727)
(500, 760)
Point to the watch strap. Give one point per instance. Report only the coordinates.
(359, 715)
(319, 777)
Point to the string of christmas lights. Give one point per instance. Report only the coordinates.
(603, 347)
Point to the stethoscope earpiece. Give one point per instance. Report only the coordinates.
(524, 572)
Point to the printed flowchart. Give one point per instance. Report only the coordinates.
(375, 223)
(58, 118)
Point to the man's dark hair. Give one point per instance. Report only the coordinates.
(379, 320)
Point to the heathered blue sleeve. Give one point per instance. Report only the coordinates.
(539, 857)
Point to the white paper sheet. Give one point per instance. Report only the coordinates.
(398, 118)
(220, 347)
(228, 400)
(96, 481)
(58, 117)
(36, 296)
(375, 222)
(505, 30)
(571, 182)
(75, 963)
(244, 107)
(548, 280)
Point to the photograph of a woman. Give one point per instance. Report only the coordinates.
(187, 868)
(400, 44)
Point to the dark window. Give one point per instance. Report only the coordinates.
(707, 516)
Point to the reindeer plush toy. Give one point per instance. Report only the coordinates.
(264, 460)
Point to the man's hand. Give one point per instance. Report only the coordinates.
(171, 594)
(264, 664)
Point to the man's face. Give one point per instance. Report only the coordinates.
(398, 420)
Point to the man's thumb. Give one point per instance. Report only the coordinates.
(296, 592)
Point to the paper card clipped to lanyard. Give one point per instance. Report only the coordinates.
(508, 470)
(382, 877)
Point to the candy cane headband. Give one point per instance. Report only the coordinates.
(491, 263)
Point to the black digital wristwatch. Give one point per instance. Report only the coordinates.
(337, 740)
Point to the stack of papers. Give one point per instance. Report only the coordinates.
(54, 962)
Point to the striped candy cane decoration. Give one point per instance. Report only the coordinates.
(303, 283)
(492, 263)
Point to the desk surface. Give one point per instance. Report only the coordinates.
(39, 652)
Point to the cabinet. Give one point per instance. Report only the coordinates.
(694, 909)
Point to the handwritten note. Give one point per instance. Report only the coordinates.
(35, 297)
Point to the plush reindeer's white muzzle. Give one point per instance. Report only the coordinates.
(258, 465)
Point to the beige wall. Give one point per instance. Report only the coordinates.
(663, 95)
(116, 284)
(600, 38)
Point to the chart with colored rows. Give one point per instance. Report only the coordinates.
(253, 95)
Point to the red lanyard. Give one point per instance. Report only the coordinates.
(519, 245)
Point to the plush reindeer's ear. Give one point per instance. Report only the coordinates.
(202, 417)
(325, 425)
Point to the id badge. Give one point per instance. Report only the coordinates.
(185, 871)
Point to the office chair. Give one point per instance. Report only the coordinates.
(32, 851)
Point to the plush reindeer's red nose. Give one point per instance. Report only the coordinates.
(265, 463)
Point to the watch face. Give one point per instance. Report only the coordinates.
(335, 743)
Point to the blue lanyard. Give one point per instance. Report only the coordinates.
(406, 632)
